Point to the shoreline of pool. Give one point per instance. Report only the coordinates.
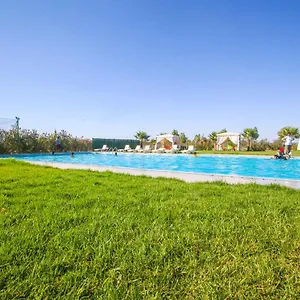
(185, 176)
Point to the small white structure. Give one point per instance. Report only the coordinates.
(162, 139)
(234, 137)
(298, 148)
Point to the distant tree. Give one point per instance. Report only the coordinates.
(200, 142)
(183, 138)
(153, 142)
(203, 139)
(276, 144)
(213, 136)
(175, 132)
(142, 136)
(262, 145)
(213, 139)
(197, 138)
(284, 131)
(256, 134)
(223, 130)
(250, 135)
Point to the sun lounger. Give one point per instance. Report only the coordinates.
(147, 149)
(138, 148)
(159, 150)
(127, 148)
(189, 150)
(104, 148)
(174, 149)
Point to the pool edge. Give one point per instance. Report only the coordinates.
(185, 176)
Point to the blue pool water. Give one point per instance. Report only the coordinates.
(264, 167)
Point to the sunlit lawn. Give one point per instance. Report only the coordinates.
(71, 234)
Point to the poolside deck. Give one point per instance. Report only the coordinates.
(188, 177)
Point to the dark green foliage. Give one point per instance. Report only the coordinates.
(30, 141)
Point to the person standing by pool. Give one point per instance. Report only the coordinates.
(58, 143)
(288, 142)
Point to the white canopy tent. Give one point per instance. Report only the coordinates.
(162, 139)
(234, 137)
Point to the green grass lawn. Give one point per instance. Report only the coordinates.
(72, 234)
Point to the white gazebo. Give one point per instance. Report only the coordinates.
(298, 148)
(234, 137)
(164, 138)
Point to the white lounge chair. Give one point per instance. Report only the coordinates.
(190, 150)
(159, 150)
(174, 149)
(127, 148)
(104, 148)
(138, 148)
(147, 149)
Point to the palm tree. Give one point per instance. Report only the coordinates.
(223, 130)
(213, 138)
(284, 131)
(250, 134)
(142, 136)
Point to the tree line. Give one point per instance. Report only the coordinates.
(30, 141)
(249, 139)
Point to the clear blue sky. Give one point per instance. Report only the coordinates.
(108, 68)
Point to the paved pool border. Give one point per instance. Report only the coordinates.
(185, 176)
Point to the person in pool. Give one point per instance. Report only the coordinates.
(280, 154)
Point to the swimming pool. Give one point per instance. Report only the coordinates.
(246, 166)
